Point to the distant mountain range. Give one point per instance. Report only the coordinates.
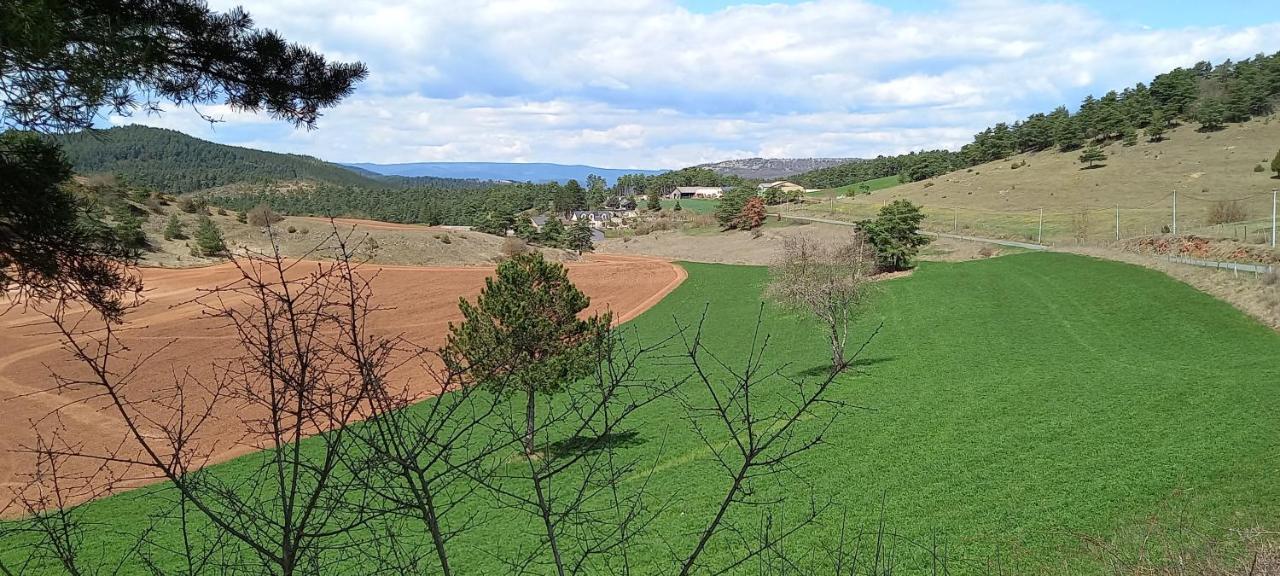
(500, 171)
(774, 168)
(170, 161)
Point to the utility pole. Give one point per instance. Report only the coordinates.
(1040, 234)
(955, 220)
(1273, 217)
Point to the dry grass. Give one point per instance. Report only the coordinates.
(994, 199)
(395, 244)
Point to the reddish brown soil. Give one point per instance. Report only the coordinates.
(424, 300)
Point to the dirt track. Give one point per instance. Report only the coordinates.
(424, 301)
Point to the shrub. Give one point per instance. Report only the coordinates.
(222, 211)
(372, 243)
(1224, 211)
(262, 215)
(514, 246)
(241, 217)
(192, 205)
(292, 230)
(153, 204)
(752, 215)
(1259, 168)
(1271, 278)
(446, 239)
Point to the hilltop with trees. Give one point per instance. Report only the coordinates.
(1207, 95)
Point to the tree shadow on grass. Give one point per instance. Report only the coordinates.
(1094, 167)
(824, 369)
(585, 444)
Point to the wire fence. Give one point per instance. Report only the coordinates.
(1246, 221)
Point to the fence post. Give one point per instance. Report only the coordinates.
(1273, 217)
(1040, 235)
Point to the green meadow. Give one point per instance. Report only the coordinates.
(1008, 410)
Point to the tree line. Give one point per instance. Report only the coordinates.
(1209, 95)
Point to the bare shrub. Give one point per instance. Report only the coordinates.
(1226, 211)
(827, 281)
(655, 225)
(192, 205)
(987, 251)
(1271, 278)
(513, 246)
(262, 216)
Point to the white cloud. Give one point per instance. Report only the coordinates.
(647, 83)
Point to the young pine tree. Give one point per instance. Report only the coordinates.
(173, 230)
(553, 233)
(1275, 165)
(655, 201)
(523, 336)
(208, 238)
(1091, 155)
(579, 236)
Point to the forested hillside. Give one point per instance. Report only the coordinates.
(173, 162)
(1210, 96)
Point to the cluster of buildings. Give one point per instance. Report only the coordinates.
(714, 192)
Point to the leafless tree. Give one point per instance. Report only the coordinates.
(293, 509)
(829, 282)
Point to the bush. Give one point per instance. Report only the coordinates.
(262, 216)
(752, 215)
(292, 230)
(193, 205)
(241, 218)
(514, 246)
(446, 239)
(1259, 168)
(1224, 211)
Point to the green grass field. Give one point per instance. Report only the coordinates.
(864, 187)
(1013, 406)
(694, 205)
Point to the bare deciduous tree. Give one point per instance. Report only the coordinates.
(829, 282)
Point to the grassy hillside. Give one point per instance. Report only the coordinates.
(1032, 410)
(1000, 199)
(170, 161)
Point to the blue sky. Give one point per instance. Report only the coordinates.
(671, 83)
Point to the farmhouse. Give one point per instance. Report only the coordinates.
(780, 186)
(696, 192)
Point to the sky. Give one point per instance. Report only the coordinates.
(674, 83)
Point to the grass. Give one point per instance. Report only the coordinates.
(695, 205)
(1013, 405)
(864, 187)
(996, 200)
